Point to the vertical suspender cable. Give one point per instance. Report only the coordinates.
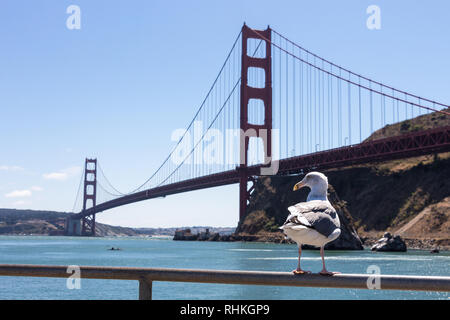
(339, 109)
(310, 111)
(406, 108)
(279, 68)
(315, 106)
(293, 101)
(301, 107)
(287, 103)
(393, 107)
(323, 107)
(331, 110)
(349, 113)
(359, 103)
(371, 108)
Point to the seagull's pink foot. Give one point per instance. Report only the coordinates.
(328, 273)
(300, 271)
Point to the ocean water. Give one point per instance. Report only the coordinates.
(165, 253)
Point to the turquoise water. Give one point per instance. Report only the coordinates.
(146, 252)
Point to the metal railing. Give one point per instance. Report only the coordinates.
(146, 276)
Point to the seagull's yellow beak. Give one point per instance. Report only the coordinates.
(299, 185)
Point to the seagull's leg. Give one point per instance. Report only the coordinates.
(324, 271)
(299, 270)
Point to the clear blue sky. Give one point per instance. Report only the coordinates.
(137, 70)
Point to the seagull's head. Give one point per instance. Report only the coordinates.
(316, 181)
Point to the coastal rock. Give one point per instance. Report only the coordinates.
(214, 237)
(390, 243)
(349, 239)
(187, 235)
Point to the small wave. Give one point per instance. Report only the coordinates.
(251, 250)
(56, 253)
(35, 243)
(347, 258)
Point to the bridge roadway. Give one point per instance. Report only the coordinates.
(409, 145)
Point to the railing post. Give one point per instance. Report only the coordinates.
(145, 289)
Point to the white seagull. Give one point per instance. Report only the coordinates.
(314, 222)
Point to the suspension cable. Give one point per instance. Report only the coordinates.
(350, 72)
(78, 192)
(192, 121)
(212, 122)
(103, 174)
(354, 83)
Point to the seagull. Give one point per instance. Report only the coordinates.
(314, 222)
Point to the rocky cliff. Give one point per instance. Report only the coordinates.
(410, 198)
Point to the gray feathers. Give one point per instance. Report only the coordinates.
(318, 215)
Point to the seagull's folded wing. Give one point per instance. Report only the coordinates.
(318, 215)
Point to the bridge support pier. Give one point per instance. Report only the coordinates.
(73, 226)
(243, 194)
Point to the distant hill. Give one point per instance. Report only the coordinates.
(13, 221)
(424, 122)
(27, 222)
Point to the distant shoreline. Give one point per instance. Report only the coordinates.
(412, 244)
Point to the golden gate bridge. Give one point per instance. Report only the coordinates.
(274, 108)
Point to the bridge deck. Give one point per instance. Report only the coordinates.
(408, 145)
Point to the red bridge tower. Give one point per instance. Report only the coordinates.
(263, 131)
(89, 195)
